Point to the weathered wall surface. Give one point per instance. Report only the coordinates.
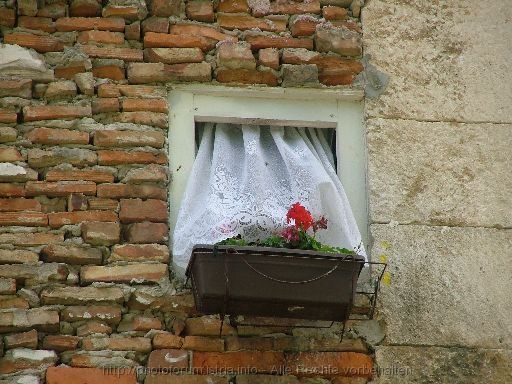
(439, 140)
(84, 262)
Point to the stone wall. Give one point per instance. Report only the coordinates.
(439, 142)
(84, 260)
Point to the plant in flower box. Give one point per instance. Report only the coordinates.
(288, 274)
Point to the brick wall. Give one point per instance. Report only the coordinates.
(84, 273)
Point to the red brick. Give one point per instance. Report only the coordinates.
(155, 24)
(139, 253)
(104, 105)
(129, 139)
(54, 112)
(81, 296)
(338, 40)
(168, 359)
(334, 13)
(113, 72)
(150, 174)
(139, 323)
(70, 24)
(243, 22)
(136, 210)
(8, 116)
(54, 11)
(161, 40)
(165, 8)
(30, 239)
(133, 273)
(13, 205)
(117, 191)
(13, 86)
(7, 17)
(59, 219)
(158, 72)
(259, 42)
(311, 364)
(121, 157)
(269, 57)
(39, 43)
(90, 328)
(79, 175)
(247, 76)
(167, 341)
(57, 136)
(18, 256)
(127, 12)
(205, 344)
(150, 105)
(68, 375)
(27, 219)
(101, 233)
(61, 343)
(71, 254)
(85, 8)
(10, 154)
(21, 340)
(69, 71)
(147, 233)
(110, 314)
(233, 6)
(142, 91)
(103, 204)
(126, 54)
(173, 55)
(59, 188)
(200, 30)
(12, 302)
(293, 7)
(45, 24)
(12, 190)
(303, 26)
(200, 11)
(132, 31)
(235, 56)
(336, 79)
(101, 37)
(207, 326)
(259, 362)
(142, 117)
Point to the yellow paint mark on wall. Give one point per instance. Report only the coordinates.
(385, 244)
(386, 278)
(383, 258)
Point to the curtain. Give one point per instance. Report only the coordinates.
(245, 178)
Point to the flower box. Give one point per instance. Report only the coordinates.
(273, 282)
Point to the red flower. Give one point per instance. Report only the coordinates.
(291, 234)
(301, 217)
(321, 223)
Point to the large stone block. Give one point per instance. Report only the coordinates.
(445, 62)
(440, 173)
(447, 285)
(404, 365)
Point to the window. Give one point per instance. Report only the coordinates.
(316, 108)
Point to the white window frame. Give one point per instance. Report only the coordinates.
(318, 108)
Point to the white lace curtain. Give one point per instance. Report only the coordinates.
(245, 178)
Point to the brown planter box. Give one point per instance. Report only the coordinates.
(273, 282)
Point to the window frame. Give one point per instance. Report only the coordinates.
(341, 109)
